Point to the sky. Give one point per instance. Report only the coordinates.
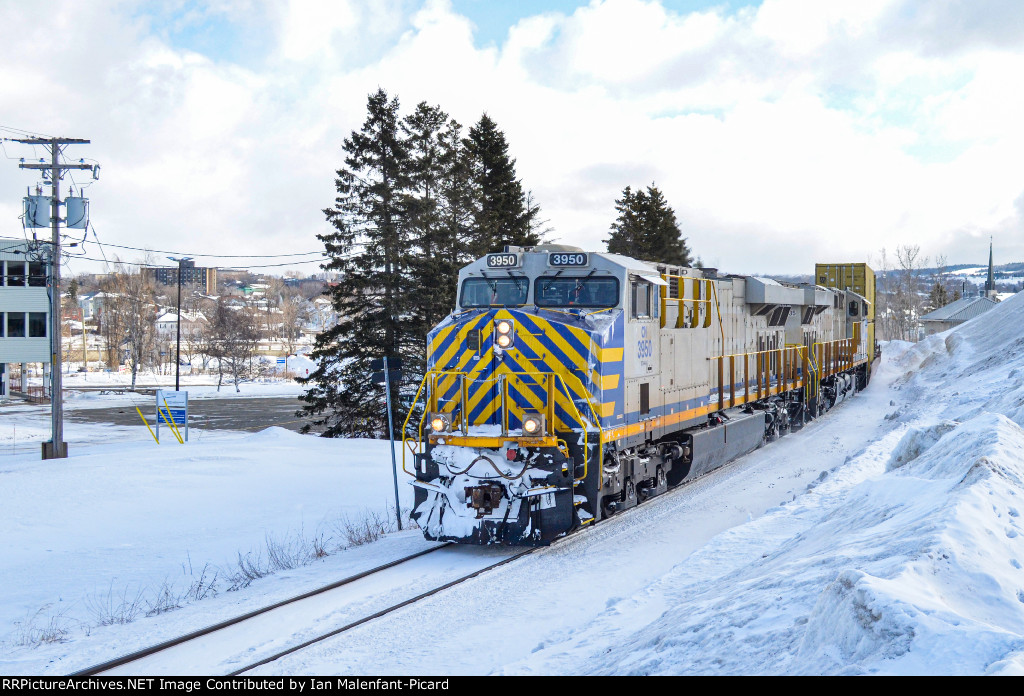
(783, 133)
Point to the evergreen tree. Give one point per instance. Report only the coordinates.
(416, 202)
(939, 296)
(371, 249)
(428, 268)
(441, 218)
(646, 229)
(503, 215)
(627, 230)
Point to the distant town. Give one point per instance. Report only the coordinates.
(236, 324)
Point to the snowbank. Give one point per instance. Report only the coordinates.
(907, 559)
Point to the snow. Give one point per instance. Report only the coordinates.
(122, 519)
(883, 538)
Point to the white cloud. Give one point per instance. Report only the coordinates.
(311, 27)
(781, 134)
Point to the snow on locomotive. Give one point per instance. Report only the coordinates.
(569, 386)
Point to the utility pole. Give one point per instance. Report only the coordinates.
(56, 448)
(177, 352)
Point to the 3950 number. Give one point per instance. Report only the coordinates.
(567, 259)
(502, 260)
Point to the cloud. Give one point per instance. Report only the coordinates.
(781, 134)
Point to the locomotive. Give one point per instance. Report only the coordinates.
(569, 386)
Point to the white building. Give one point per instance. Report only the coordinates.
(24, 312)
(167, 324)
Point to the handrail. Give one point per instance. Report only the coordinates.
(696, 300)
(405, 424)
(413, 446)
(787, 359)
(834, 356)
(579, 416)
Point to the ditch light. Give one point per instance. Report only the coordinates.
(533, 424)
(439, 423)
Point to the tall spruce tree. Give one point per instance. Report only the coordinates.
(442, 216)
(646, 228)
(371, 249)
(502, 215)
(429, 271)
(416, 202)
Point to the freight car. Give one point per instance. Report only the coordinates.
(569, 386)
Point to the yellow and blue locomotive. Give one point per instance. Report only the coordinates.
(569, 386)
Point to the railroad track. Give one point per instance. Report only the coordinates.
(198, 644)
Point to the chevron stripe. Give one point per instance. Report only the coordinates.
(541, 345)
(457, 344)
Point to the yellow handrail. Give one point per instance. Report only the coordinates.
(698, 283)
(786, 361)
(413, 446)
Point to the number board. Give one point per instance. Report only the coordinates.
(502, 260)
(563, 259)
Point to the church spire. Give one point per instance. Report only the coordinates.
(990, 284)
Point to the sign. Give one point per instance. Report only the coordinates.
(394, 364)
(378, 377)
(505, 260)
(280, 361)
(563, 259)
(172, 409)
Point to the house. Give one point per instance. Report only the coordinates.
(955, 313)
(167, 324)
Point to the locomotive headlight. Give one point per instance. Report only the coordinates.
(533, 424)
(504, 334)
(439, 423)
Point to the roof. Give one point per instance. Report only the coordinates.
(647, 271)
(960, 311)
(171, 317)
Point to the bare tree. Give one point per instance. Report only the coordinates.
(233, 336)
(907, 302)
(294, 315)
(130, 316)
(942, 292)
(884, 316)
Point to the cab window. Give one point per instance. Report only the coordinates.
(569, 291)
(642, 300)
(494, 292)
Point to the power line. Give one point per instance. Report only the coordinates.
(19, 131)
(145, 265)
(217, 256)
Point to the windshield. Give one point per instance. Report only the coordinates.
(568, 291)
(494, 292)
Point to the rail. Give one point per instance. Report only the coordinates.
(160, 647)
(384, 612)
(548, 382)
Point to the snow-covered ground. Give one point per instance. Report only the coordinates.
(884, 538)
